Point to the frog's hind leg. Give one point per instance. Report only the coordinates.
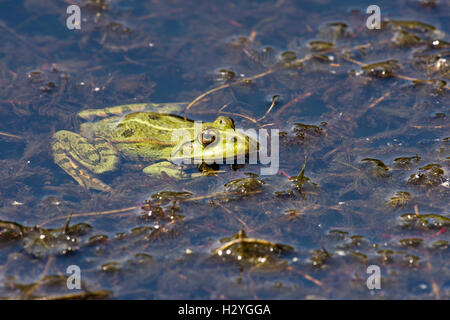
(76, 155)
(171, 107)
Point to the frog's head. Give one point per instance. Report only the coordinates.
(217, 141)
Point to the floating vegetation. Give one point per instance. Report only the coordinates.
(349, 242)
(140, 260)
(40, 242)
(389, 256)
(160, 214)
(404, 38)
(338, 234)
(320, 257)
(436, 64)
(224, 75)
(43, 242)
(429, 3)
(302, 131)
(411, 242)
(337, 92)
(440, 245)
(10, 231)
(379, 169)
(164, 197)
(300, 184)
(424, 221)
(239, 42)
(288, 60)
(361, 256)
(324, 58)
(245, 186)
(400, 199)
(288, 56)
(428, 176)
(335, 30)
(118, 27)
(383, 69)
(412, 25)
(257, 253)
(320, 45)
(406, 161)
(53, 287)
(99, 5)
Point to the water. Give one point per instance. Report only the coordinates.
(374, 190)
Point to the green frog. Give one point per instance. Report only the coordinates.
(147, 132)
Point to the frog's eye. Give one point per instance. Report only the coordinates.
(208, 136)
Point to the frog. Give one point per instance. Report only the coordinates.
(145, 132)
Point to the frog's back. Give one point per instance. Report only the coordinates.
(150, 124)
(141, 135)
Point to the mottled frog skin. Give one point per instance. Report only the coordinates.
(146, 133)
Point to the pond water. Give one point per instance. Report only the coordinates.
(363, 148)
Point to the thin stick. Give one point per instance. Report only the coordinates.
(240, 115)
(41, 278)
(207, 93)
(407, 78)
(247, 229)
(416, 210)
(306, 276)
(101, 294)
(373, 104)
(100, 213)
(274, 101)
(89, 214)
(260, 75)
(293, 101)
(434, 285)
(430, 127)
(10, 135)
(354, 61)
(236, 114)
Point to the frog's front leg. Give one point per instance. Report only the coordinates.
(167, 168)
(170, 170)
(76, 155)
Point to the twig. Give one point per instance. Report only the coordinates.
(88, 214)
(247, 229)
(274, 101)
(39, 282)
(260, 75)
(434, 285)
(306, 276)
(240, 115)
(373, 104)
(293, 102)
(10, 135)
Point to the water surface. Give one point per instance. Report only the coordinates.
(366, 109)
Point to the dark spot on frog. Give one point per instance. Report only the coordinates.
(128, 133)
(153, 117)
